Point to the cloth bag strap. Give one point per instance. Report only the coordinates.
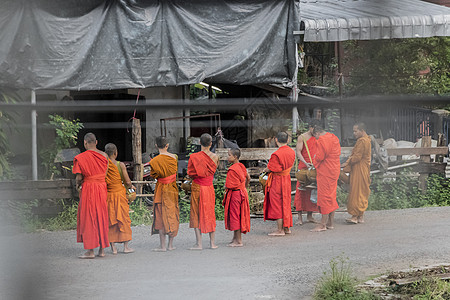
(307, 149)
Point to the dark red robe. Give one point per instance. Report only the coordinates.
(302, 199)
(277, 200)
(92, 217)
(235, 201)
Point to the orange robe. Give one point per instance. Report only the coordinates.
(277, 199)
(118, 209)
(235, 201)
(328, 167)
(203, 199)
(359, 168)
(302, 199)
(166, 210)
(92, 217)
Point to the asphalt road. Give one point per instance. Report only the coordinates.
(45, 265)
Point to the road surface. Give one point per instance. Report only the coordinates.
(44, 265)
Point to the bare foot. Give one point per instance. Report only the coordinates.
(101, 253)
(312, 220)
(287, 231)
(128, 250)
(360, 220)
(87, 255)
(235, 245)
(159, 250)
(299, 222)
(113, 248)
(351, 221)
(171, 248)
(319, 229)
(330, 227)
(214, 246)
(196, 247)
(277, 233)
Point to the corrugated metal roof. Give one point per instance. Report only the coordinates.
(340, 20)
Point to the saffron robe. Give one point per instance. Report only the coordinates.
(277, 198)
(235, 201)
(328, 167)
(118, 208)
(164, 168)
(201, 169)
(358, 165)
(92, 216)
(302, 200)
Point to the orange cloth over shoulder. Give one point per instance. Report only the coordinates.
(203, 199)
(328, 167)
(92, 216)
(164, 168)
(236, 191)
(277, 200)
(359, 168)
(302, 199)
(118, 209)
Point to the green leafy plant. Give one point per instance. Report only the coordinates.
(339, 284)
(219, 189)
(140, 214)
(66, 137)
(185, 206)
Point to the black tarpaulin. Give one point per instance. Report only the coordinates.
(91, 44)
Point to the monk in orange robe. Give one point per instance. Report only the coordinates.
(327, 164)
(92, 219)
(118, 208)
(277, 198)
(235, 201)
(306, 149)
(166, 213)
(201, 168)
(358, 165)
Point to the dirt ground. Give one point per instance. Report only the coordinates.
(45, 265)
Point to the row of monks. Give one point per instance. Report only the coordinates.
(103, 214)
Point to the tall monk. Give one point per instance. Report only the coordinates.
(358, 165)
(277, 198)
(118, 208)
(166, 213)
(235, 201)
(201, 168)
(327, 164)
(306, 149)
(92, 219)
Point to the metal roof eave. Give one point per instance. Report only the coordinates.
(340, 20)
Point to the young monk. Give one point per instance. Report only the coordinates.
(305, 143)
(118, 208)
(358, 165)
(166, 213)
(237, 208)
(328, 168)
(201, 168)
(277, 198)
(92, 218)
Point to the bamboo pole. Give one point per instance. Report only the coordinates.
(137, 153)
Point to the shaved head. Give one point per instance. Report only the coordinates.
(282, 137)
(205, 140)
(361, 126)
(235, 152)
(110, 149)
(161, 142)
(90, 138)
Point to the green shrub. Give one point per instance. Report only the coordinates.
(140, 214)
(219, 189)
(185, 206)
(339, 284)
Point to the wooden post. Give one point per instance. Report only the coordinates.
(426, 143)
(137, 154)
